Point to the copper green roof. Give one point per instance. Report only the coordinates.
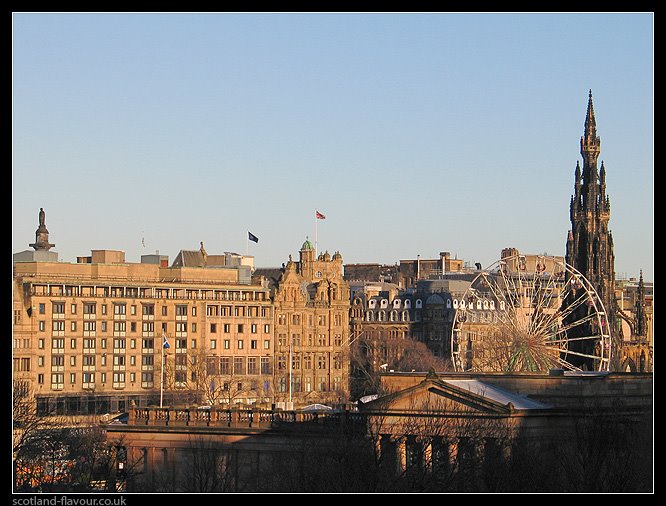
(307, 245)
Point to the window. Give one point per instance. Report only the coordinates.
(73, 326)
(296, 319)
(42, 308)
(240, 328)
(181, 310)
(282, 339)
(58, 308)
(42, 326)
(337, 361)
(148, 309)
(132, 326)
(103, 308)
(227, 328)
(227, 344)
(40, 379)
(72, 344)
(194, 327)
(132, 360)
(281, 363)
(119, 309)
(321, 361)
(164, 311)
(119, 344)
(252, 365)
(58, 381)
(213, 328)
(89, 308)
(72, 361)
(58, 327)
(253, 344)
(103, 326)
(267, 344)
(73, 309)
(58, 344)
(253, 328)
(133, 309)
(240, 344)
(194, 310)
(265, 365)
(295, 339)
(40, 361)
(321, 339)
(147, 361)
(194, 344)
(119, 328)
(213, 344)
(321, 319)
(307, 361)
(148, 343)
(148, 327)
(72, 377)
(296, 363)
(57, 363)
(267, 328)
(225, 365)
(337, 340)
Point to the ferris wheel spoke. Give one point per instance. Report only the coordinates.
(573, 325)
(567, 365)
(567, 340)
(586, 355)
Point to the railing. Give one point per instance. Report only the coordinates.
(236, 418)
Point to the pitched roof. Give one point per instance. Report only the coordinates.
(472, 393)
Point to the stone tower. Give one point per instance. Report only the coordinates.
(590, 243)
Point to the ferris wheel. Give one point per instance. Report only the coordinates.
(530, 315)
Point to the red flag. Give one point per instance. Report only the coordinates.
(319, 215)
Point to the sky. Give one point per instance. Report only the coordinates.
(413, 133)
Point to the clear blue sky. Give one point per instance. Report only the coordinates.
(412, 133)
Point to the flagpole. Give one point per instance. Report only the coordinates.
(247, 244)
(290, 367)
(316, 220)
(162, 374)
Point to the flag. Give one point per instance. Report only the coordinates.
(252, 237)
(165, 341)
(319, 215)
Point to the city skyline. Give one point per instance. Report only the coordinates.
(412, 133)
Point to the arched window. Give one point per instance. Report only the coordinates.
(448, 303)
(383, 303)
(396, 303)
(405, 316)
(408, 304)
(419, 303)
(368, 316)
(382, 316)
(455, 303)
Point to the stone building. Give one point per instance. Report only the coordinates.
(311, 304)
(88, 336)
(432, 432)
